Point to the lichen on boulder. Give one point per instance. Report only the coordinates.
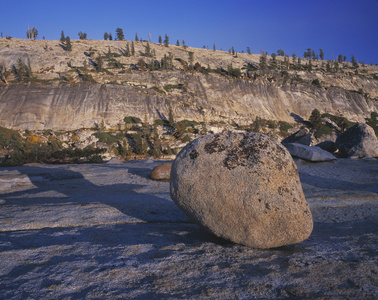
(243, 187)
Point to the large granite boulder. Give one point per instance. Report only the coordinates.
(243, 187)
(310, 153)
(359, 140)
(302, 136)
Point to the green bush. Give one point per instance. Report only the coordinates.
(323, 130)
(342, 122)
(186, 139)
(9, 137)
(108, 137)
(186, 123)
(160, 122)
(88, 154)
(170, 87)
(284, 126)
(132, 120)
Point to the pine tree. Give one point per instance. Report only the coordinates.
(309, 65)
(160, 39)
(191, 60)
(294, 56)
(273, 62)
(156, 152)
(171, 119)
(140, 144)
(82, 36)
(321, 54)
(166, 41)
(148, 50)
(62, 37)
(328, 66)
(354, 62)
(120, 35)
(248, 50)
(307, 54)
(136, 37)
(315, 119)
(132, 49)
(68, 44)
(106, 36)
(178, 43)
(263, 61)
(128, 50)
(99, 63)
(110, 36)
(32, 33)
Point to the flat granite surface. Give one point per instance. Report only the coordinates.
(107, 231)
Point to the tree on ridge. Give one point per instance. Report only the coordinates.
(120, 35)
(32, 33)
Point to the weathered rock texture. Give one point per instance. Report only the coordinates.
(61, 100)
(359, 140)
(310, 153)
(302, 136)
(243, 187)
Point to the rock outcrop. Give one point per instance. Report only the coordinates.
(310, 153)
(359, 140)
(302, 136)
(243, 187)
(61, 97)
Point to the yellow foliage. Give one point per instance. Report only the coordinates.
(75, 138)
(32, 139)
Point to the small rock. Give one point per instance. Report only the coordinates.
(161, 172)
(310, 153)
(302, 136)
(115, 161)
(359, 140)
(243, 187)
(147, 161)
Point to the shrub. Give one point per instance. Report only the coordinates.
(132, 120)
(316, 82)
(186, 139)
(315, 119)
(9, 137)
(284, 126)
(160, 122)
(187, 123)
(342, 122)
(170, 87)
(323, 130)
(107, 137)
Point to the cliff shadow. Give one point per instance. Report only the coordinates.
(62, 186)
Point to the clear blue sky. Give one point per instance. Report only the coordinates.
(337, 26)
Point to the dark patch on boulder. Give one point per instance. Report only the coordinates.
(215, 145)
(194, 154)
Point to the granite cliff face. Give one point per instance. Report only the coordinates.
(61, 98)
